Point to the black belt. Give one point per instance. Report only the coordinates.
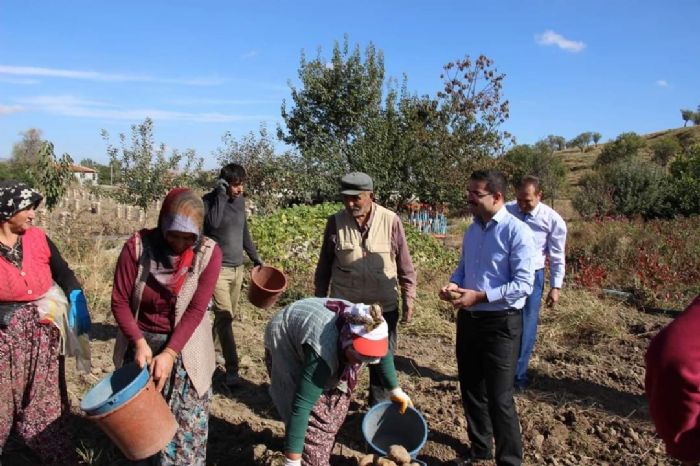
(492, 314)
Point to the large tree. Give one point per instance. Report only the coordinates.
(273, 179)
(411, 145)
(687, 116)
(147, 172)
(51, 175)
(537, 160)
(333, 107)
(26, 151)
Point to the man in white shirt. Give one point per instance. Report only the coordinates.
(549, 231)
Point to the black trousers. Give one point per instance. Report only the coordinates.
(487, 352)
(377, 392)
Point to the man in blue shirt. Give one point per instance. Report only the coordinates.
(549, 234)
(489, 287)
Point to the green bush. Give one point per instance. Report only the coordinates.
(624, 188)
(624, 148)
(684, 174)
(665, 149)
(291, 240)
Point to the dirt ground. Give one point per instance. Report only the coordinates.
(585, 406)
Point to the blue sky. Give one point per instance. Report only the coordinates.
(199, 69)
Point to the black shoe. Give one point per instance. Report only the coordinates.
(471, 458)
(232, 380)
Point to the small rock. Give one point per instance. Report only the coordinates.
(538, 441)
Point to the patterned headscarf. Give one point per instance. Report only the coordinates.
(350, 319)
(15, 197)
(182, 211)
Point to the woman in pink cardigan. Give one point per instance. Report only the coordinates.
(163, 282)
(34, 327)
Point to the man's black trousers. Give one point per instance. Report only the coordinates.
(487, 352)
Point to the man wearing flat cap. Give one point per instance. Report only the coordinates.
(364, 259)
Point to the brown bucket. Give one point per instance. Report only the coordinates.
(142, 426)
(266, 285)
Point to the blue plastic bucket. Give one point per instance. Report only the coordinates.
(115, 389)
(384, 426)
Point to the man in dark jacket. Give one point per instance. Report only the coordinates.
(225, 222)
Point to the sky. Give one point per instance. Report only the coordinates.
(202, 68)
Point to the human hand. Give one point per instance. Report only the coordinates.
(221, 185)
(162, 366)
(142, 353)
(407, 315)
(552, 297)
(258, 263)
(468, 298)
(448, 292)
(398, 396)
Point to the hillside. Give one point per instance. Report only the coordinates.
(579, 163)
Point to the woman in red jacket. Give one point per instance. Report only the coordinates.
(33, 329)
(673, 384)
(163, 282)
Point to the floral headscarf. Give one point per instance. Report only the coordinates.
(350, 319)
(15, 197)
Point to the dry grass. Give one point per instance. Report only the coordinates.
(582, 318)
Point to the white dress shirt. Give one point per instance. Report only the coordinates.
(549, 231)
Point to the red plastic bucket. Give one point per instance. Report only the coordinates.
(266, 285)
(140, 423)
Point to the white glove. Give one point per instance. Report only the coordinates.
(288, 462)
(399, 397)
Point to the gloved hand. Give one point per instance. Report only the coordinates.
(78, 315)
(258, 263)
(399, 397)
(288, 462)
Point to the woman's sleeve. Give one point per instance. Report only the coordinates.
(60, 271)
(124, 277)
(315, 373)
(387, 372)
(197, 308)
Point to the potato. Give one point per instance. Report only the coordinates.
(450, 295)
(367, 460)
(399, 454)
(385, 462)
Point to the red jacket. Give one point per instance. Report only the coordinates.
(33, 280)
(672, 384)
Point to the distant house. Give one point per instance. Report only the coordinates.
(84, 175)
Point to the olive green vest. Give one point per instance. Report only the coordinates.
(365, 272)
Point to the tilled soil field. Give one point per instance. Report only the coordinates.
(585, 405)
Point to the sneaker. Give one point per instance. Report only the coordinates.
(232, 379)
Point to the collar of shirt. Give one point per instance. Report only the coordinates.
(497, 217)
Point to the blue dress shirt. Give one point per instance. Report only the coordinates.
(497, 258)
(549, 231)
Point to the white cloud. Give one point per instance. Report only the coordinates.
(204, 101)
(68, 105)
(105, 77)
(23, 81)
(250, 54)
(550, 37)
(8, 109)
(662, 83)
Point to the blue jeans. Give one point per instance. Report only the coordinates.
(531, 313)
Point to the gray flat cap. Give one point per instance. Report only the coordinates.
(354, 183)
